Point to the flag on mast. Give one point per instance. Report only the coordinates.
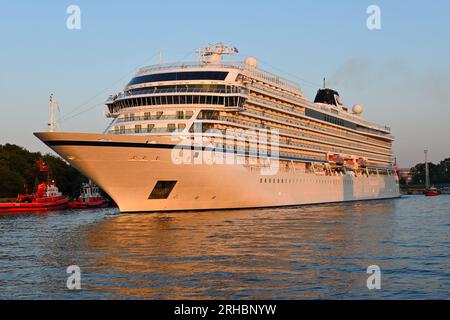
(42, 166)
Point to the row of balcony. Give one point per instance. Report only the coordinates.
(302, 145)
(156, 90)
(249, 70)
(296, 111)
(282, 119)
(155, 117)
(305, 103)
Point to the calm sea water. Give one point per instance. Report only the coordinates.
(291, 253)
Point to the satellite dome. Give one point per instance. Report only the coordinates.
(251, 61)
(357, 109)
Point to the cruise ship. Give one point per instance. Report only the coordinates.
(221, 134)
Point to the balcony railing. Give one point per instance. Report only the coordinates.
(300, 113)
(305, 103)
(154, 117)
(255, 72)
(138, 92)
(295, 135)
(145, 130)
(296, 123)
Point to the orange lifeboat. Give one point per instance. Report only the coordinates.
(336, 158)
(361, 162)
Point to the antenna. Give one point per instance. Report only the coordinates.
(52, 125)
(160, 57)
(214, 54)
(324, 86)
(427, 171)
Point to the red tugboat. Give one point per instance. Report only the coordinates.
(90, 197)
(432, 192)
(46, 198)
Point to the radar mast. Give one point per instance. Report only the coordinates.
(213, 54)
(52, 123)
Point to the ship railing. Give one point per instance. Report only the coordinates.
(134, 92)
(258, 73)
(253, 71)
(276, 93)
(275, 106)
(285, 141)
(302, 113)
(304, 103)
(295, 135)
(296, 123)
(153, 117)
(144, 130)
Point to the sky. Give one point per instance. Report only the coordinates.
(400, 73)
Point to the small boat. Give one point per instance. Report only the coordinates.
(46, 198)
(432, 192)
(90, 197)
(336, 158)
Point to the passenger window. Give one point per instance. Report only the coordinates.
(171, 127)
(180, 115)
(189, 114)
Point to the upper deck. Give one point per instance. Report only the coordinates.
(228, 72)
(229, 66)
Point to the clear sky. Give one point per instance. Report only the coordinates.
(399, 74)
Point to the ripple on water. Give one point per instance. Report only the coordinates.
(290, 253)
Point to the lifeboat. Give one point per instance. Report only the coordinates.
(361, 162)
(46, 198)
(336, 158)
(90, 197)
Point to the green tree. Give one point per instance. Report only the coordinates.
(439, 173)
(19, 170)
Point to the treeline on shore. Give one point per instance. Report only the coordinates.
(19, 172)
(439, 173)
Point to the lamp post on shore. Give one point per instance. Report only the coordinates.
(446, 165)
(427, 171)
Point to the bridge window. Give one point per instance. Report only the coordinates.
(180, 76)
(171, 127)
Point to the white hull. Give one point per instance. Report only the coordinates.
(129, 174)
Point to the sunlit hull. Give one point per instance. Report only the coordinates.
(128, 168)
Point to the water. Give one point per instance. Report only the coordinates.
(291, 253)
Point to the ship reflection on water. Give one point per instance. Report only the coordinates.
(288, 253)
